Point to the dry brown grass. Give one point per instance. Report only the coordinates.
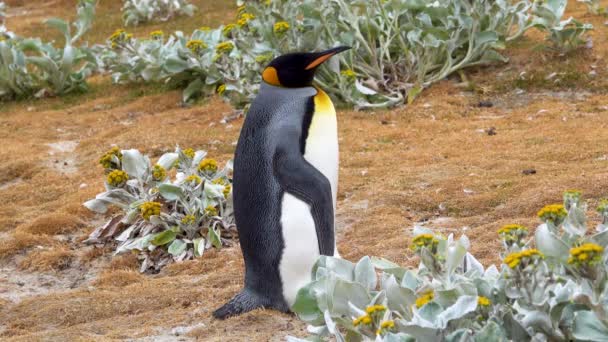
(53, 224)
(120, 278)
(397, 167)
(56, 259)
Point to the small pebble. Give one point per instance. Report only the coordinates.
(491, 131)
(485, 104)
(529, 172)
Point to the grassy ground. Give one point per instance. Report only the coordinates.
(431, 162)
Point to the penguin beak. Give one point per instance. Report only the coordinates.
(321, 57)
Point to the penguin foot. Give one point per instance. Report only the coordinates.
(239, 304)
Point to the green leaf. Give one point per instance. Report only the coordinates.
(199, 247)
(460, 335)
(170, 192)
(365, 273)
(588, 327)
(214, 238)
(491, 332)
(164, 238)
(306, 306)
(413, 93)
(60, 25)
(135, 164)
(177, 247)
(550, 244)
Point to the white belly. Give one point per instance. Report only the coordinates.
(299, 232)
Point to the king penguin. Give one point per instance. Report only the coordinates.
(285, 183)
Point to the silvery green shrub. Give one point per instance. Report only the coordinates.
(594, 6)
(557, 291)
(136, 12)
(165, 218)
(564, 35)
(30, 67)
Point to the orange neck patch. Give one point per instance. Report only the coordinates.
(271, 77)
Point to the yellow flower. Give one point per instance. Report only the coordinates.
(365, 319)
(514, 259)
(219, 181)
(227, 190)
(159, 173)
(424, 299)
(196, 46)
(240, 9)
(245, 18)
(265, 58)
(586, 254)
(188, 219)
(553, 212)
(227, 30)
(194, 179)
(374, 308)
(483, 301)
(281, 27)
(158, 34)
(204, 28)
(267, 2)
(208, 165)
(221, 89)
(149, 209)
(387, 324)
(119, 37)
(117, 178)
(424, 241)
(211, 211)
(107, 161)
(509, 228)
(225, 47)
(348, 73)
(189, 153)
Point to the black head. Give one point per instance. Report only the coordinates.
(297, 70)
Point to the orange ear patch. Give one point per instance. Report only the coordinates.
(319, 60)
(270, 76)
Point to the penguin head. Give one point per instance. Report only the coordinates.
(297, 70)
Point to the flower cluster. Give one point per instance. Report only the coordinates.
(348, 73)
(194, 179)
(513, 234)
(221, 88)
(263, 59)
(554, 213)
(425, 241)
(157, 35)
(149, 209)
(208, 165)
(384, 326)
(196, 46)
(117, 178)
(515, 259)
(224, 47)
(111, 159)
(281, 27)
(244, 19)
(365, 319)
(483, 301)
(119, 38)
(227, 30)
(424, 299)
(189, 152)
(586, 254)
(210, 211)
(188, 219)
(159, 173)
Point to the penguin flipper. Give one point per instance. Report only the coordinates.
(243, 302)
(298, 177)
